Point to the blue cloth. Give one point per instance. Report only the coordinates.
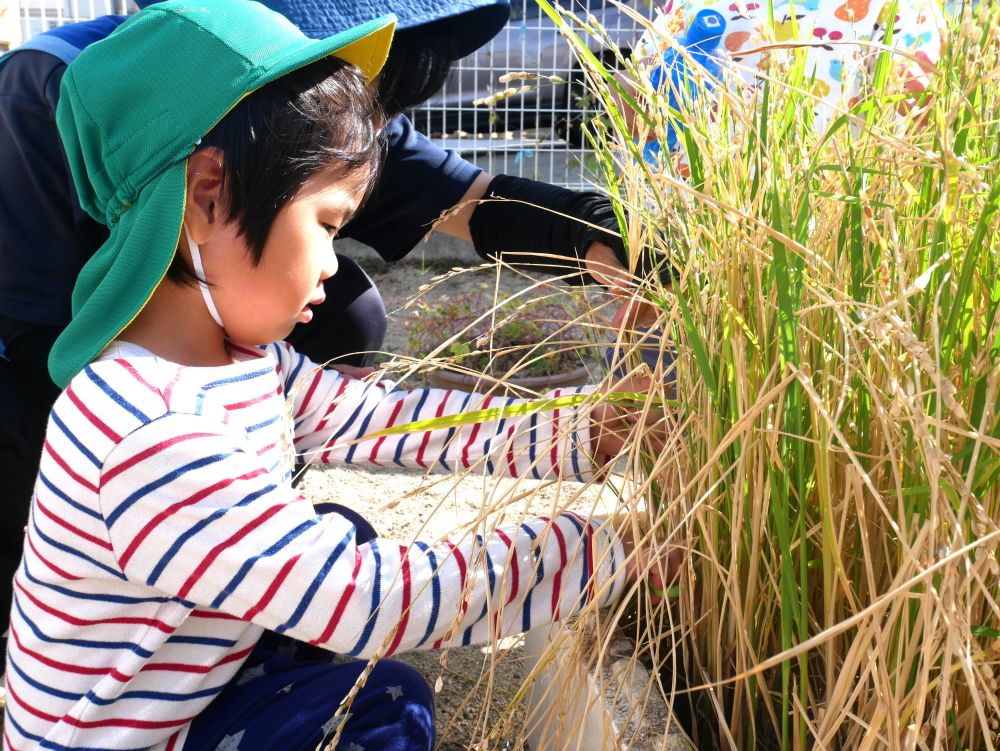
(701, 40)
(279, 700)
(287, 694)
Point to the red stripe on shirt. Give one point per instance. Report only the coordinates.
(557, 581)
(169, 390)
(94, 419)
(404, 617)
(58, 665)
(153, 523)
(427, 434)
(76, 621)
(182, 667)
(472, 435)
(317, 377)
(512, 564)
(272, 589)
(345, 597)
(51, 566)
(392, 421)
(135, 375)
(104, 544)
(511, 460)
(250, 402)
(231, 541)
(460, 562)
(112, 472)
(64, 465)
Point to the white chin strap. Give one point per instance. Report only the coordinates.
(199, 271)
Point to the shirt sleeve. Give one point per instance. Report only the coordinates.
(420, 181)
(46, 236)
(191, 512)
(333, 414)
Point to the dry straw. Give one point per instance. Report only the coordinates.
(833, 445)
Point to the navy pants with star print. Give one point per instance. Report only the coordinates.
(286, 696)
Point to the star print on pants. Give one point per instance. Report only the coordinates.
(231, 742)
(355, 747)
(394, 691)
(250, 674)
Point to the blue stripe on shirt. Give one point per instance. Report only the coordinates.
(54, 417)
(491, 575)
(86, 643)
(114, 396)
(446, 443)
(539, 578)
(435, 591)
(397, 457)
(195, 529)
(66, 499)
(376, 598)
(240, 575)
(159, 482)
(118, 599)
(58, 746)
(314, 586)
(238, 378)
(75, 552)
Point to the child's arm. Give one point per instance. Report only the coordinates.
(191, 512)
(334, 412)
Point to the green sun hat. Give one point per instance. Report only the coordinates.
(132, 109)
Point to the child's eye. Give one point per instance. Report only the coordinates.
(331, 230)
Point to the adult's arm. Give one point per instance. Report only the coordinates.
(425, 187)
(45, 237)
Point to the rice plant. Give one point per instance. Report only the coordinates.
(833, 472)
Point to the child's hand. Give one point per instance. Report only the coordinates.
(611, 424)
(659, 570)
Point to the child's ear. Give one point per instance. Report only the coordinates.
(205, 210)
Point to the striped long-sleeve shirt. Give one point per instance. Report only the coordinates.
(165, 536)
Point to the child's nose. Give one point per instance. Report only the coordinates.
(330, 264)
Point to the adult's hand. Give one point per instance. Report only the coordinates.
(634, 309)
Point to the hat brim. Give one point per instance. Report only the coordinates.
(469, 24)
(115, 284)
(366, 46)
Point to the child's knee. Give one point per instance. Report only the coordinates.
(409, 699)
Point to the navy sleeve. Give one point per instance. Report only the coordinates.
(420, 181)
(45, 237)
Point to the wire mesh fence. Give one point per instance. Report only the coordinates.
(536, 132)
(37, 16)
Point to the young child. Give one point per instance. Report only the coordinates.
(223, 150)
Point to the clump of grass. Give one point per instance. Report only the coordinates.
(835, 470)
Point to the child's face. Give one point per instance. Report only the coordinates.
(261, 304)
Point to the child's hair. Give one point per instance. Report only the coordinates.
(319, 117)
